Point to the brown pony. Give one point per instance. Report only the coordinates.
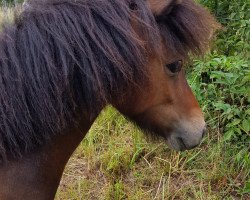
(63, 61)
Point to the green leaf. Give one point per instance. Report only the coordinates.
(246, 125)
(228, 135)
(236, 122)
(246, 188)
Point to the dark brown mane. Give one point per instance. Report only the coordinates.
(187, 27)
(63, 57)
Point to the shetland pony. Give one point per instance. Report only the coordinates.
(63, 61)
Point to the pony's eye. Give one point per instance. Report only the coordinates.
(133, 6)
(175, 66)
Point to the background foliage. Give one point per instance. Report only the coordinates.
(222, 79)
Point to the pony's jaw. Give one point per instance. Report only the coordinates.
(180, 132)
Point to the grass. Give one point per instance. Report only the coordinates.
(6, 14)
(116, 161)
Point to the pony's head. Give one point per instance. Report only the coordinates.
(166, 106)
(64, 60)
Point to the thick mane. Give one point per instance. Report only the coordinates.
(61, 58)
(187, 27)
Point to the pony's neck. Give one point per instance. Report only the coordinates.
(37, 176)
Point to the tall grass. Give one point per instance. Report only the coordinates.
(116, 161)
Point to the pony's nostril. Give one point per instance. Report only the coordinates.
(181, 143)
(183, 146)
(204, 132)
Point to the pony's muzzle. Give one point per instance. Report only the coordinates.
(187, 137)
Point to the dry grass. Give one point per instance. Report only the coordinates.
(6, 14)
(116, 161)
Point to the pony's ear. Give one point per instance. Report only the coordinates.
(162, 7)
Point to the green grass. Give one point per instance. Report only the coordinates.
(116, 161)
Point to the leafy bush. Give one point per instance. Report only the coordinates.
(234, 15)
(221, 80)
(222, 85)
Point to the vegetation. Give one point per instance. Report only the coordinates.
(10, 2)
(116, 161)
